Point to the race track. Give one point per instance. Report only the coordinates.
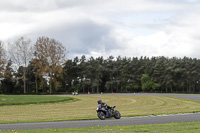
(184, 96)
(160, 119)
(178, 118)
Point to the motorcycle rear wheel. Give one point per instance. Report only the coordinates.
(117, 115)
(101, 115)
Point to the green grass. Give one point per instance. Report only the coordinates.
(190, 127)
(31, 99)
(85, 108)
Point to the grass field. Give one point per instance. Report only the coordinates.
(85, 108)
(191, 127)
(31, 99)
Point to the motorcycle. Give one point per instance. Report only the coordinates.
(74, 93)
(101, 113)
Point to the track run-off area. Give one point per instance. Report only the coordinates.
(140, 120)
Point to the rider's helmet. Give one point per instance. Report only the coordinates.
(99, 101)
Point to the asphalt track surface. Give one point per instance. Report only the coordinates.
(183, 96)
(160, 119)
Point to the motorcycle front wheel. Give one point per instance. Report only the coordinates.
(101, 115)
(117, 115)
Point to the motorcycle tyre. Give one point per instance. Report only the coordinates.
(117, 115)
(101, 115)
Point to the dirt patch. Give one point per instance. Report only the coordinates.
(3, 99)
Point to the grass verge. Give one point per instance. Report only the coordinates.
(31, 99)
(190, 127)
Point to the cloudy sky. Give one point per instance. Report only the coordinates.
(107, 27)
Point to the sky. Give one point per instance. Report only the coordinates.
(131, 28)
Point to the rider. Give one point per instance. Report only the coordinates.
(103, 106)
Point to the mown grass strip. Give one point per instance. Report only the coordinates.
(190, 127)
(31, 99)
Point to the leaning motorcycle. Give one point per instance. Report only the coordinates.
(101, 113)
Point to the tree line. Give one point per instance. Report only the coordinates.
(42, 68)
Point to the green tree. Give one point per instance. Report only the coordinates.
(159, 72)
(147, 83)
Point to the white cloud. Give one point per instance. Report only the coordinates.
(178, 38)
(114, 27)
